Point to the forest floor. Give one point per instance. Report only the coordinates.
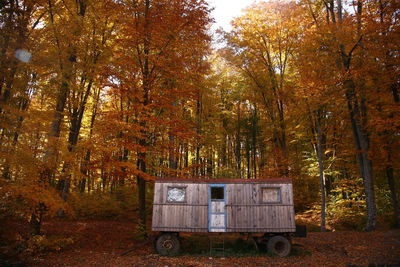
(103, 243)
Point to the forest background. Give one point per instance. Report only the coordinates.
(98, 98)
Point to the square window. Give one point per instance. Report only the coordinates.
(217, 193)
(176, 194)
(271, 195)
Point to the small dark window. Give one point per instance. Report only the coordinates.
(217, 193)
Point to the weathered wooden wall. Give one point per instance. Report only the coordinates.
(191, 216)
(244, 208)
(246, 212)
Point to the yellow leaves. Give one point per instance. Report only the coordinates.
(328, 151)
(25, 199)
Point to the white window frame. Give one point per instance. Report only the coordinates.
(177, 187)
(278, 188)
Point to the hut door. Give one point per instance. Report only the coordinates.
(216, 208)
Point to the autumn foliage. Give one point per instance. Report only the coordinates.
(97, 98)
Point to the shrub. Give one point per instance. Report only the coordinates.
(346, 208)
(38, 244)
(99, 204)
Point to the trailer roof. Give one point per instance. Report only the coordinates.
(223, 181)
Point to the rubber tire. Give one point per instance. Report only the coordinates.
(279, 245)
(168, 245)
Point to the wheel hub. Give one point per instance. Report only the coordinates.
(280, 247)
(168, 244)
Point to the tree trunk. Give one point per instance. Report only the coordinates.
(254, 141)
(394, 90)
(55, 128)
(22, 106)
(321, 170)
(248, 158)
(186, 156)
(35, 221)
(141, 161)
(198, 131)
(393, 195)
(141, 187)
(362, 147)
(171, 155)
(358, 119)
(238, 140)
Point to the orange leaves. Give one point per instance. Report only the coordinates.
(28, 197)
(101, 242)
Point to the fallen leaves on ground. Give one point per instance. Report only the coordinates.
(102, 243)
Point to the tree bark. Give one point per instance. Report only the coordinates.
(362, 147)
(238, 140)
(321, 170)
(358, 118)
(254, 141)
(393, 195)
(141, 187)
(141, 161)
(198, 131)
(173, 165)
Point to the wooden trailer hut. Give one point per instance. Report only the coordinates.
(261, 207)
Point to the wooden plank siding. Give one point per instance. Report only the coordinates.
(247, 213)
(190, 216)
(245, 210)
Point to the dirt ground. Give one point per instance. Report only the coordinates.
(102, 243)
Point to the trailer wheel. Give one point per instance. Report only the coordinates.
(279, 245)
(167, 244)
